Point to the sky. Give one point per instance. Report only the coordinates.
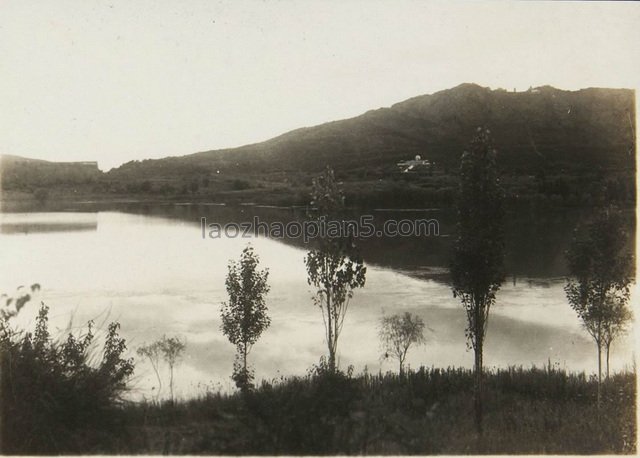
(113, 81)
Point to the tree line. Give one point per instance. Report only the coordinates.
(598, 288)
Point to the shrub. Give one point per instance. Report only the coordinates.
(60, 396)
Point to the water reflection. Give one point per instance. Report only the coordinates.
(149, 268)
(26, 223)
(536, 240)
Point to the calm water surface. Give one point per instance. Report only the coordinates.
(148, 267)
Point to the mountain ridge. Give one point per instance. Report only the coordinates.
(531, 127)
(569, 137)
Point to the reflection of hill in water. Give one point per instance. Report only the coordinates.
(26, 228)
(536, 240)
(25, 223)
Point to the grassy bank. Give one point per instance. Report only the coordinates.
(69, 397)
(426, 412)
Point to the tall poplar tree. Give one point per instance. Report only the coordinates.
(477, 268)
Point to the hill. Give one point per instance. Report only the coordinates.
(18, 171)
(554, 146)
(10, 159)
(543, 126)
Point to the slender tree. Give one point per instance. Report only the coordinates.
(598, 290)
(153, 352)
(172, 349)
(398, 333)
(334, 267)
(618, 319)
(477, 267)
(244, 317)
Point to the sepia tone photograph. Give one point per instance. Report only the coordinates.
(318, 228)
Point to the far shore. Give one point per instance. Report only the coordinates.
(20, 201)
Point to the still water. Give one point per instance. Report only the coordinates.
(148, 267)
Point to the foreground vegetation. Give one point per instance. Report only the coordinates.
(61, 396)
(428, 411)
(69, 397)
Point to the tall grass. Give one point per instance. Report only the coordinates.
(428, 411)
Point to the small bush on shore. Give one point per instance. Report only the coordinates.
(61, 397)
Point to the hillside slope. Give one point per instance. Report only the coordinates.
(543, 126)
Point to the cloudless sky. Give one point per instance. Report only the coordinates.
(117, 80)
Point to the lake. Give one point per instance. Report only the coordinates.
(148, 267)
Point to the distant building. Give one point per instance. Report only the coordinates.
(416, 165)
